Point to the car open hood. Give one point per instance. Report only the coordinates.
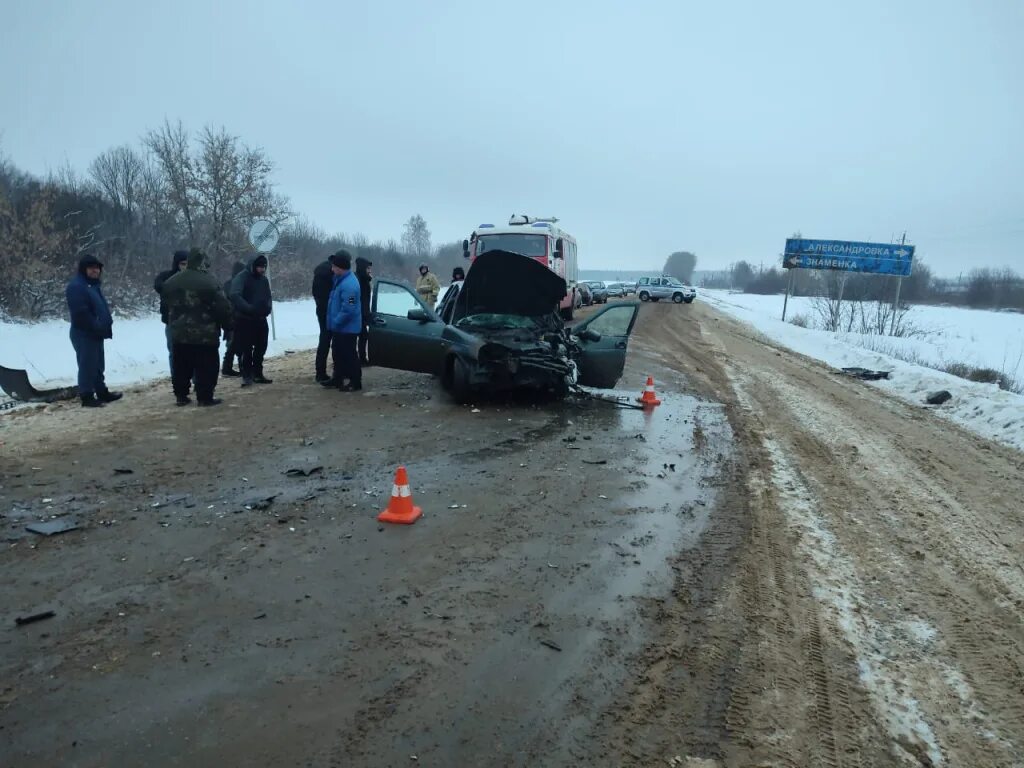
(509, 283)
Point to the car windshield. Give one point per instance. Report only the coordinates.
(529, 245)
(497, 322)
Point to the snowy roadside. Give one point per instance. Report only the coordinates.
(981, 338)
(138, 351)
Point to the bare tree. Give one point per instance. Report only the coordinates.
(416, 237)
(170, 146)
(232, 184)
(118, 173)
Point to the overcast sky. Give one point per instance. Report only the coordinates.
(647, 127)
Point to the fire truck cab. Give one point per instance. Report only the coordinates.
(537, 238)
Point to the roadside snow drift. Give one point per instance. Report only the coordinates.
(980, 338)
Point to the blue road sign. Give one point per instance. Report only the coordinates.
(876, 258)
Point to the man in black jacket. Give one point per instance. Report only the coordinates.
(180, 260)
(323, 282)
(230, 353)
(250, 297)
(365, 277)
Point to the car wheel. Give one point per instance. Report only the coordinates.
(645, 296)
(461, 389)
(677, 298)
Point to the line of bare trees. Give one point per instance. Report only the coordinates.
(136, 205)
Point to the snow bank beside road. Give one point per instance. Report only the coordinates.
(138, 351)
(977, 337)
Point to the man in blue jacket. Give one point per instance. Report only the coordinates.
(345, 321)
(91, 324)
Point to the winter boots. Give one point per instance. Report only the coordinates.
(106, 396)
(90, 401)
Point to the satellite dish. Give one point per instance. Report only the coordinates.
(263, 235)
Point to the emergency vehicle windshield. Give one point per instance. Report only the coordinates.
(529, 245)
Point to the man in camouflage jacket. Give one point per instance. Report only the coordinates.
(197, 312)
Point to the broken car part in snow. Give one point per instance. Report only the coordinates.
(938, 398)
(865, 374)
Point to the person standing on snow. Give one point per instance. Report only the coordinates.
(231, 353)
(179, 260)
(365, 278)
(197, 313)
(323, 282)
(345, 320)
(91, 325)
(252, 302)
(427, 286)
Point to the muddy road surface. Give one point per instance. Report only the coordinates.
(777, 567)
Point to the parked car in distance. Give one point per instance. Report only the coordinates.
(615, 290)
(586, 297)
(664, 287)
(598, 291)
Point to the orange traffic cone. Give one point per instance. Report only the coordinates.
(648, 398)
(401, 510)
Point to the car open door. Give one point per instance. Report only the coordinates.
(603, 361)
(397, 340)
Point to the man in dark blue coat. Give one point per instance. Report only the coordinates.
(345, 320)
(91, 325)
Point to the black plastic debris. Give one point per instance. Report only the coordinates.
(123, 471)
(938, 398)
(23, 620)
(866, 375)
(52, 527)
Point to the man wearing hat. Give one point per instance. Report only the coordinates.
(250, 297)
(345, 320)
(91, 325)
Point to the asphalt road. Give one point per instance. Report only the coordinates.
(778, 566)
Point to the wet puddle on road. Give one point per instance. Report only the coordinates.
(665, 505)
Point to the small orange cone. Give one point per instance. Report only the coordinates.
(401, 510)
(648, 398)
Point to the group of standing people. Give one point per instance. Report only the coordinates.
(342, 299)
(197, 311)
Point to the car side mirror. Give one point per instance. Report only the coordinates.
(588, 335)
(419, 314)
(465, 249)
(559, 252)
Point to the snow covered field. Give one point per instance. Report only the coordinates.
(979, 338)
(138, 351)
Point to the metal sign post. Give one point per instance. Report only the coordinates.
(263, 237)
(789, 290)
(896, 301)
